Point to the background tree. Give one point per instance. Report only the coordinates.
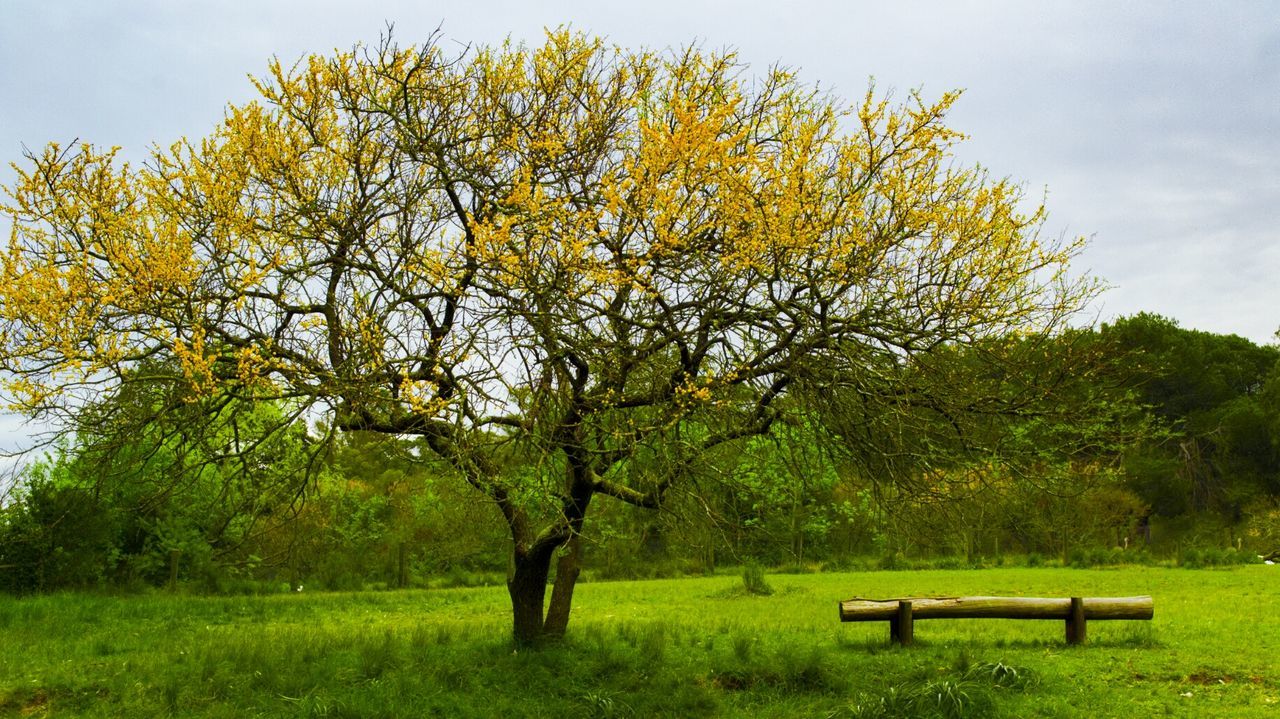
(164, 484)
(598, 258)
(1216, 397)
(958, 442)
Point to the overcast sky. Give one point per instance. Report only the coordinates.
(1154, 127)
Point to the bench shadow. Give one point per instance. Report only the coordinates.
(1135, 639)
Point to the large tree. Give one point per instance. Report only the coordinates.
(582, 254)
(1216, 397)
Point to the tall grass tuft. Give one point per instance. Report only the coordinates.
(753, 580)
(969, 695)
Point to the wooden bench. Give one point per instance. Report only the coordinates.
(902, 612)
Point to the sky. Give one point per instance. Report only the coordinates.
(1152, 128)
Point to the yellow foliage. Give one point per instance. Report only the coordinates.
(397, 226)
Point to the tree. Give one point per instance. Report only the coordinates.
(582, 255)
(1215, 395)
(156, 485)
(55, 534)
(971, 436)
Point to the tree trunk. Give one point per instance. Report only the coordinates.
(531, 563)
(528, 589)
(402, 566)
(174, 555)
(568, 568)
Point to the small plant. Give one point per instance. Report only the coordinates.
(377, 657)
(944, 699)
(956, 699)
(602, 704)
(1001, 675)
(971, 694)
(753, 580)
(653, 643)
(788, 670)
(893, 703)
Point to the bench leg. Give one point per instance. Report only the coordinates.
(1075, 622)
(901, 626)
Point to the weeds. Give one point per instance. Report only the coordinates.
(788, 669)
(753, 581)
(604, 705)
(970, 695)
(1002, 676)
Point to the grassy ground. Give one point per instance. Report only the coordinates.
(685, 647)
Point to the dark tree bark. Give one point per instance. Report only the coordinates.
(528, 589)
(531, 565)
(402, 565)
(568, 568)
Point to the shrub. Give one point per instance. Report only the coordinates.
(1194, 558)
(892, 560)
(753, 580)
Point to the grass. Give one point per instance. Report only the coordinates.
(679, 648)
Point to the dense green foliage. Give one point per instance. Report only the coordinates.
(122, 506)
(693, 647)
(1181, 462)
(1219, 398)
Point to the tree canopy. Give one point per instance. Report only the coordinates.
(585, 253)
(1218, 397)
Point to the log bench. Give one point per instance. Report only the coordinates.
(902, 612)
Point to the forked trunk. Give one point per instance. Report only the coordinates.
(568, 568)
(532, 565)
(528, 589)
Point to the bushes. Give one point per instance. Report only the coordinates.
(56, 537)
(1200, 558)
(1102, 557)
(753, 580)
(377, 519)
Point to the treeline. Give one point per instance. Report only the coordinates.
(1186, 458)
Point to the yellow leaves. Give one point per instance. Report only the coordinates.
(86, 192)
(495, 247)
(196, 364)
(703, 391)
(90, 243)
(312, 322)
(380, 208)
(432, 267)
(370, 340)
(251, 366)
(693, 393)
(26, 394)
(422, 396)
(691, 137)
(161, 262)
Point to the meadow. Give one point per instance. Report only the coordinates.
(681, 647)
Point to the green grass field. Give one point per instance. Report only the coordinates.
(683, 647)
